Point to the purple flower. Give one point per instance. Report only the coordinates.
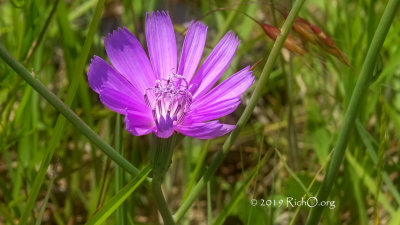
(157, 97)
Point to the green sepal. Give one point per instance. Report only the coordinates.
(161, 156)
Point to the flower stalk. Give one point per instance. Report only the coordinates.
(161, 203)
(364, 80)
(161, 158)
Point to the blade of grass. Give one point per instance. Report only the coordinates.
(209, 204)
(46, 199)
(197, 169)
(369, 183)
(291, 130)
(102, 214)
(369, 143)
(260, 148)
(292, 173)
(292, 221)
(381, 150)
(224, 213)
(68, 40)
(41, 33)
(261, 84)
(360, 89)
(81, 9)
(120, 214)
(358, 195)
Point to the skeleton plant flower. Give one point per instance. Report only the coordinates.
(156, 94)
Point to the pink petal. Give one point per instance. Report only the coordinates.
(114, 90)
(138, 123)
(128, 57)
(212, 112)
(192, 49)
(119, 101)
(208, 130)
(221, 100)
(161, 43)
(215, 65)
(232, 87)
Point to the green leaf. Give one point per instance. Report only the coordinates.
(369, 183)
(102, 214)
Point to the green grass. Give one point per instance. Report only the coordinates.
(66, 159)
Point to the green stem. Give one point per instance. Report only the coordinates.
(291, 131)
(261, 84)
(292, 136)
(209, 207)
(161, 158)
(161, 203)
(360, 90)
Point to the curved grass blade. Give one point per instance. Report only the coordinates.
(322, 167)
(369, 143)
(102, 214)
(369, 183)
(199, 165)
(292, 173)
(46, 199)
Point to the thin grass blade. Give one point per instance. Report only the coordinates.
(119, 198)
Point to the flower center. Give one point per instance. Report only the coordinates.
(172, 99)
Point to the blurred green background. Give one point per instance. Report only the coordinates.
(296, 122)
